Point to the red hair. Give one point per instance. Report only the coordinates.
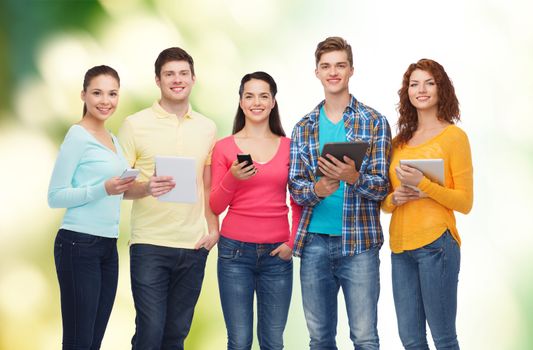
(448, 105)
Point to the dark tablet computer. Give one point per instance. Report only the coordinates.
(354, 150)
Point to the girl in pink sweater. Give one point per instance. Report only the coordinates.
(255, 246)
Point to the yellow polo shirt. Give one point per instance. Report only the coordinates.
(151, 132)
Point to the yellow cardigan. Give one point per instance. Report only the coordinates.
(420, 222)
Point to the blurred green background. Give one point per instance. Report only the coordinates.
(486, 47)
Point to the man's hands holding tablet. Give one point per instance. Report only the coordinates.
(335, 169)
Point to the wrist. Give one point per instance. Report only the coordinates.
(354, 179)
(317, 191)
(147, 191)
(106, 188)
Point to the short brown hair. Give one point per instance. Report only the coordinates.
(172, 54)
(333, 43)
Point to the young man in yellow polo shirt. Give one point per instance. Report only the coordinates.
(169, 241)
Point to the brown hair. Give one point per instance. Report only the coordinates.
(95, 72)
(333, 43)
(172, 54)
(448, 105)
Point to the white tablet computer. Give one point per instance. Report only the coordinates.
(182, 170)
(433, 169)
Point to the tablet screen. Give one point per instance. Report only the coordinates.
(353, 150)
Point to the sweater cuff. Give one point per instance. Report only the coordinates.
(424, 184)
(314, 198)
(97, 191)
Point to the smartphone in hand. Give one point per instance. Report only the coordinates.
(128, 173)
(245, 158)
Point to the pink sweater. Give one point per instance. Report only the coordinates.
(258, 211)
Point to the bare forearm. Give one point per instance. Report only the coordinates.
(212, 222)
(138, 190)
(210, 217)
(209, 240)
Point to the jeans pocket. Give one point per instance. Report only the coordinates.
(63, 251)
(277, 256)
(141, 249)
(85, 245)
(283, 261)
(86, 241)
(203, 252)
(77, 238)
(227, 251)
(437, 245)
(309, 237)
(228, 248)
(58, 250)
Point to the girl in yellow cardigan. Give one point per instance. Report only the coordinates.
(423, 234)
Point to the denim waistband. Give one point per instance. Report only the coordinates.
(249, 245)
(325, 235)
(74, 235)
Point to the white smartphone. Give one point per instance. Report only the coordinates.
(128, 173)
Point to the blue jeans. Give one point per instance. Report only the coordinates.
(424, 283)
(165, 283)
(245, 268)
(323, 271)
(87, 270)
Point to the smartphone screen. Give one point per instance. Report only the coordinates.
(245, 158)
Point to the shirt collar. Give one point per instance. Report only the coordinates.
(161, 113)
(314, 115)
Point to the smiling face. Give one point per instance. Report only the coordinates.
(175, 82)
(422, 91)
(334, 72)
(101, 97)
(257, 101)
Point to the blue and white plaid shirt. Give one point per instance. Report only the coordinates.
(361, 227)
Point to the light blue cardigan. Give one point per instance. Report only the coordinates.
(78, 184)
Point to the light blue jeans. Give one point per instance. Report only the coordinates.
(323, 271)
(245, 269)
(424, 283)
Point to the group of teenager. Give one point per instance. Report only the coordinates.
(335, 218)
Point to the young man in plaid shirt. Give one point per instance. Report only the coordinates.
(339, 235)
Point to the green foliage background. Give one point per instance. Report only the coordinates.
(47, 45)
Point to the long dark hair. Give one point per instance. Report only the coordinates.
(95, 72)
(274, 121)
(448, 105)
